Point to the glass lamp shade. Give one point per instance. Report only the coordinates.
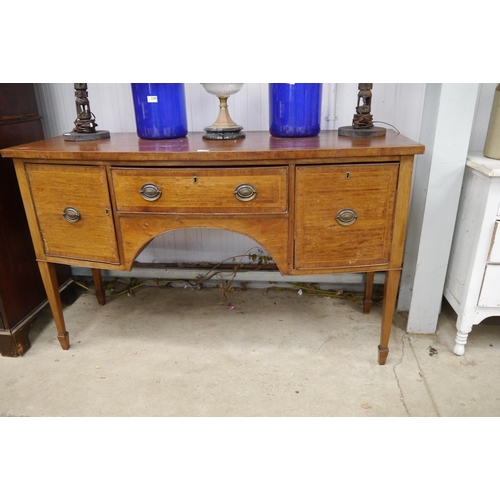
(222, 89)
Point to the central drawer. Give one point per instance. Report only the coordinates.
(201, 190)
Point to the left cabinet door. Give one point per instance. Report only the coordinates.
(73, 209)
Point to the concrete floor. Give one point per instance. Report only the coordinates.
(263, 352)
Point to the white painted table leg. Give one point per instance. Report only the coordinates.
(460, 341)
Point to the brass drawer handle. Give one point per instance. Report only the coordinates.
(245, 192)
(346, 216)
(71, 214)
(150, 192)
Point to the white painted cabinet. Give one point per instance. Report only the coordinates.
(472, 284)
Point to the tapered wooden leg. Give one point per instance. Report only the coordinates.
(49, 277)
(390, 294)
(99, 286)
(367, 300)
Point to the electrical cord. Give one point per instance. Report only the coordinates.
(390, 125)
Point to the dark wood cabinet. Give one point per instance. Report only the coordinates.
(22, 293)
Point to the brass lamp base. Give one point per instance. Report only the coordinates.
(224, 128)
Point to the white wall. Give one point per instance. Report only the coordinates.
(395, 103)
(398, 104)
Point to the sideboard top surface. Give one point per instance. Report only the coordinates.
(258, 145)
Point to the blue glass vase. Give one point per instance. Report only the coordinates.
(295, 109)
(160, 110)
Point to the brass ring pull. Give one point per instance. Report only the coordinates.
(150, 192)
(346, 216)
(245, 192)
(71, 214)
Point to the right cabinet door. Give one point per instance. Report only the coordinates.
(344, 215)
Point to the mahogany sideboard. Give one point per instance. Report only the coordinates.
(317, 205)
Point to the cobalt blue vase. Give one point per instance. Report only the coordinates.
(160, 110)
(295, 109)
